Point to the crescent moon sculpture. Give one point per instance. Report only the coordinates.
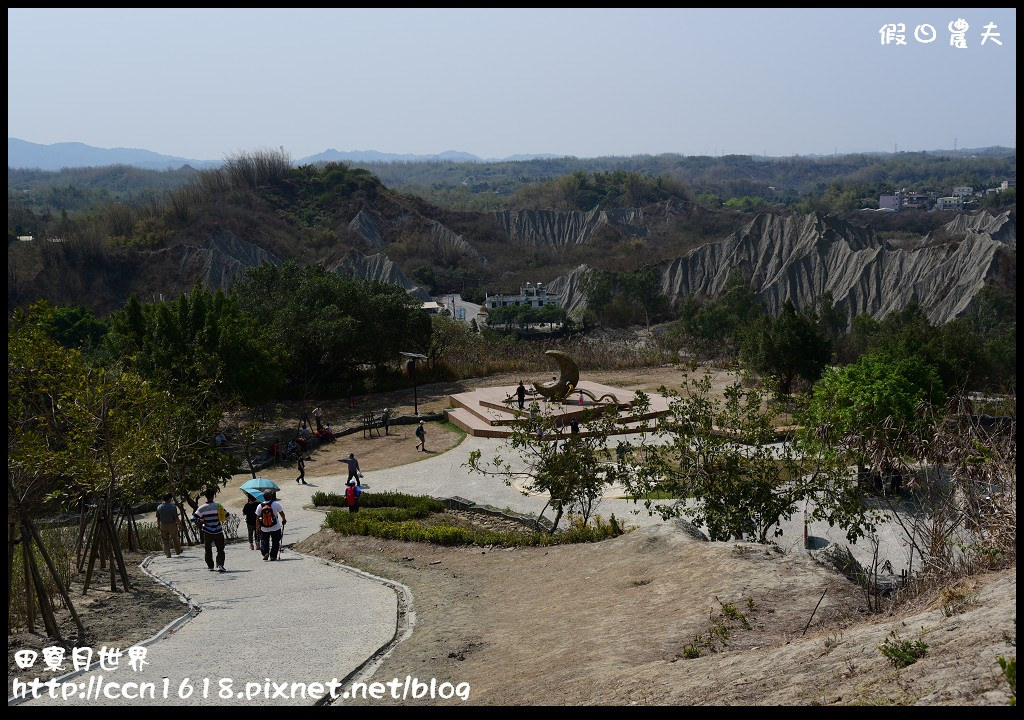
(568, 377)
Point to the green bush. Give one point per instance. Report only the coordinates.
(398, 522)
(902, 653)
(149, 536)
(381, 500)
(401, 500)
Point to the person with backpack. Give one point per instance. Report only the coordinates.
(211, 516)
(352, 493)
(421, 434)
(272, 521)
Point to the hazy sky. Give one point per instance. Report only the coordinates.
(206, 83)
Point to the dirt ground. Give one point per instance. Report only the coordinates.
(114, 619)
(608, 624)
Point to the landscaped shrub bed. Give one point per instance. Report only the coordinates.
(396, 516)
(419, 503)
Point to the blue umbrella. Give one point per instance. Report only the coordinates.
(256, 494)
(260, 484)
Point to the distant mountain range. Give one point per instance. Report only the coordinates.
(375, 156)
(23, 154)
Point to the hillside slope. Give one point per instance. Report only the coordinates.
(799, 258)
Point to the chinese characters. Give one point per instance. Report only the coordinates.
(925, 33)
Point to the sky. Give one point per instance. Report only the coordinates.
(205, 84)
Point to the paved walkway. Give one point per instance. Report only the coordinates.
(444, 475)
(294, 620)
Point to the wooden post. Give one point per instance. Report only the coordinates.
(65, 596)
(30, 603)
(11, 535)
(106, 548)
(82, 551)
(119, 557)
(93, 547)
(52, 628)
(81, 535)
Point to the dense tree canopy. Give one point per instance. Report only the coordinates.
(201, 341)
(869, 406)
(327, 325)
(788, 346)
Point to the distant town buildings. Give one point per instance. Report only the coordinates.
(956, 200)
(533, 295)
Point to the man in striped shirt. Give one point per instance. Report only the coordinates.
(210, 516)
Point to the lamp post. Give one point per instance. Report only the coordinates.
(413, 357)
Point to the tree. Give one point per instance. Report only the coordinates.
(570, 468)
(447, 335)
(643, 288)
(718, 463)
(869, 407)
(38, 370)
(831, 319)
(91, 442)
(788, 346)
(724, 320)
(329, 326)
(598, 287)
(187, 460)
(76, 326)
(553, 315)
(198, 342)
(721, 464)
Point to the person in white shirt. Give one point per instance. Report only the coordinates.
(271, 518)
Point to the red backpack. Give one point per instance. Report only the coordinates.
(350, 495)
(267, 518)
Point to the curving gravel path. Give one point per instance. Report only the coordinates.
(295, 620)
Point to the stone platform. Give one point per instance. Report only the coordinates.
(493, 411)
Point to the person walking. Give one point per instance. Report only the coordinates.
(302, 471)
(272, 522)
(170, 524)
(249, 513)
(421, 433)
(352, 493)
(353, 469)
(521, 394)
(211, 516)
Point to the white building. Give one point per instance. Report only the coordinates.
(949, 203)
(891, 202)
(533, 295)
(963, 191)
